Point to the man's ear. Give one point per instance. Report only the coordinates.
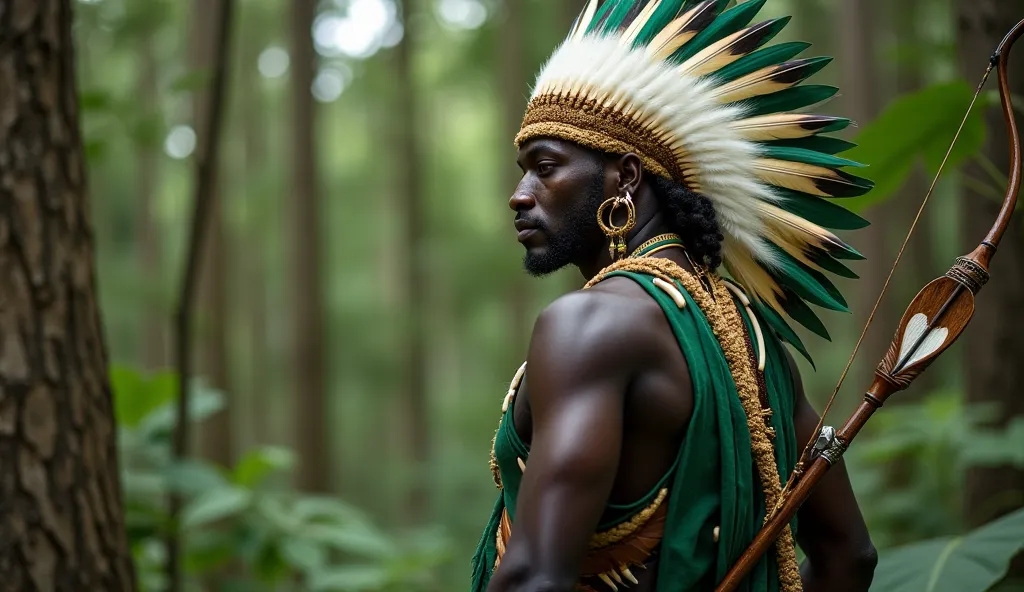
(631, 172)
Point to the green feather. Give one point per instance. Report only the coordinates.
(828, 263)
(819, 210)
(789, 99)
(617, 17)
(691, 4)
(817, 143)
(805, 282)
(726, 24)
(597, 25)
(798, 310)
(664, 15)
(767, 56)
(782, 328)
(850, 254)
(806, 156)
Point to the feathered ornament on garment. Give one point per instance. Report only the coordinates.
(693, 90)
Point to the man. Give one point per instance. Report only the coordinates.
(661, 414)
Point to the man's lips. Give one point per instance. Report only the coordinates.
(525, 228)
(526, 233)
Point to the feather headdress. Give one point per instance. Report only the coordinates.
(690, 88)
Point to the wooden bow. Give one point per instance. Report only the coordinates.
(933, 321)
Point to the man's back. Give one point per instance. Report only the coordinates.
(620, 317)
(619, 469)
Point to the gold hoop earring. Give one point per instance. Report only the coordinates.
(617, 234)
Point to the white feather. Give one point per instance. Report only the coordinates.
(699, 129)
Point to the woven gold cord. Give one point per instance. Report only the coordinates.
(727, 326)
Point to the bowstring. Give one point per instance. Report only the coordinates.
(798, 469)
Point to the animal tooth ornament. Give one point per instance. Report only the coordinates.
(691, 88)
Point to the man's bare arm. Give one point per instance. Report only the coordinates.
(577, 376)
(832, 532)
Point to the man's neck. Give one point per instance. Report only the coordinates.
(653, 227)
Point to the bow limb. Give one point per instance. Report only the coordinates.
(1010, 201)
(933, 321)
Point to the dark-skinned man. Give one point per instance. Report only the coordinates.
(658, 413)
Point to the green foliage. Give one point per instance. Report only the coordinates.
(971, 563)
(912, 461)
(915, 127)
(239, 530)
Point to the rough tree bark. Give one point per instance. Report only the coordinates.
(216, 434)
(995, 339)
(62, 525)
(414, 407)
(310, 397)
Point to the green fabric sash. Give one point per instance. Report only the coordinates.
(713, 481)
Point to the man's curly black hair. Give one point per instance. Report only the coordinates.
(692, 217)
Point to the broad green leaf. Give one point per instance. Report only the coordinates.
(194, 477)
(208, 551)
(303, 554)
(278, 514)
(270, 567)
(319, 509)
(970, 563)
(203, 403)
(256, 465)
(215, 504)
(136, 396)
(916, 126)
(349, 578)
(359, 539)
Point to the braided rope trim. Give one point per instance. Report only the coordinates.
(619, 533)
(727, 325)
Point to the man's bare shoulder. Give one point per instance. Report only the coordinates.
(611, 323)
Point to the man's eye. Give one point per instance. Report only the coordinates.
(544, 168)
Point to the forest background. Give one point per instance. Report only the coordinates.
(361, 306)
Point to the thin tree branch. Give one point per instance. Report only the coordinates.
(206, 165)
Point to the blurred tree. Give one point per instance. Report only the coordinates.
(415, 411)
(63, 524)
(995, 340)
(217, 433)
(154, 318)
(254, 120)
(314, 472)
(910, 68)
(514, 88)
(864, 97)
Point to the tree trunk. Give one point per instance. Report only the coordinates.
(863, 100)
(216, 433)
(920, 266)
(63, 520)
(514, 89)
(995, 339)
(254, 115)
(154, 316)
(311, 411)
(415, 410)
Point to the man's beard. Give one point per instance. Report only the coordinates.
(579, 232)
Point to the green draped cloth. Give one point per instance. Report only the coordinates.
(713, 481)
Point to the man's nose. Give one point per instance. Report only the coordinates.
(521, 200)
